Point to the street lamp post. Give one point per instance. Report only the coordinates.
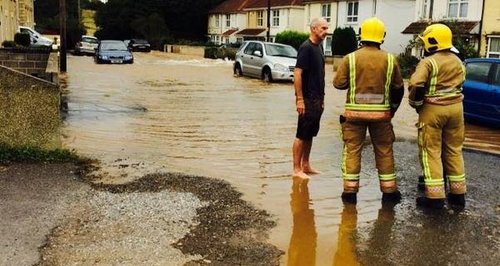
(268, 20)
(62, 32)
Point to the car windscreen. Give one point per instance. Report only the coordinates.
(113, 46)
(89, 40)
(280, 50)
(140, 41)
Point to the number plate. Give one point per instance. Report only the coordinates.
(116, 61)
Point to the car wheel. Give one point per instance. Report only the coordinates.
(266, 75)
(237, 70)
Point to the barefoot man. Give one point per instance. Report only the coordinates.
(309, 86)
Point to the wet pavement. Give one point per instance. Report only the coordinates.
(176, 114)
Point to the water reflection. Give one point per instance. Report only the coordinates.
(302, 248)
(379, 243)
(346, 246)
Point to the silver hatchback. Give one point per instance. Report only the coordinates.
(265, 60)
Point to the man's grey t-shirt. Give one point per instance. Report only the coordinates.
(311, 60)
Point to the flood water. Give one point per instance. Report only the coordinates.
(165, 113)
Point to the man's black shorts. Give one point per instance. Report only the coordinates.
(308, 123)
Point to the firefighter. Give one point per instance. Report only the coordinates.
(436, 94)
(375, 88)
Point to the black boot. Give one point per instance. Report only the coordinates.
(394, 197)
(430, 203)
(456, 199)
(349, 198)
(421, 183)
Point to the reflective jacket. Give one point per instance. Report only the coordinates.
(372, 78)
(438, 80)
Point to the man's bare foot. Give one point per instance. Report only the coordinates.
(300, 174)
(310, 171)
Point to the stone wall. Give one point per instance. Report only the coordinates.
(29, 61)
(29, 111)
(185, 49)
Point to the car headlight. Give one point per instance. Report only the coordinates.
(105, 57)
(280, 67)
(128, 57)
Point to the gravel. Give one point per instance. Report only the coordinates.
(52, 217)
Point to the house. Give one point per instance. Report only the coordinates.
(465, 15)
(26, 13)
(15, 13)
(326, 10)
(227, 23)
(8, 20)
(396, 14)
(285, 15)
(225, 20)
(490, 29)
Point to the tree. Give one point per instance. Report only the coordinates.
(152, 28)
(47, 19)
(184, 19)
(293, 38)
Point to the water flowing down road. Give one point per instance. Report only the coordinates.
(170, 113)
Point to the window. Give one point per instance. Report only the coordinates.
(328, 45)
(217, 21)
(425, 9)
(493, 47)
(228, 20)
(352, 11)
(250, 48)
(260, 18)
(496, 79)
(478, 71)
(326, 11)
(457, 8)
(276, 18)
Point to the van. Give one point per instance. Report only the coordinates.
(36, 38)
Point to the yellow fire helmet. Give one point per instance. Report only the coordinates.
(436, 37)
(372, 30)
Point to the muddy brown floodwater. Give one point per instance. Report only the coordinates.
(190, 115)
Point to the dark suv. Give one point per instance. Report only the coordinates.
(139, 45)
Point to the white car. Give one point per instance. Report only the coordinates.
(36, 38)
(86, 45)
(265, 60)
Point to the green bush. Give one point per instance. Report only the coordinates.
(292, 38)
(344, 41)
(34, 154)
(9, 44)
(22, 39)
(407, 64)
(220, 52)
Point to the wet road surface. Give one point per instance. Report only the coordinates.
(190, 115)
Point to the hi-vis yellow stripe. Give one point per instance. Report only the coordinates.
(367, 107)
(390, 69)
(352, 78)
(456, 178)
(352, 105)
(434, 74)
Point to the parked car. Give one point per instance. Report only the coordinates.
(86, 45)
(482, 91)
(36, 38)
(113, 52)
(139, 45)
(265, 60)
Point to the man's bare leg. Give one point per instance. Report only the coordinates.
(306, 166)
(298, 153)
